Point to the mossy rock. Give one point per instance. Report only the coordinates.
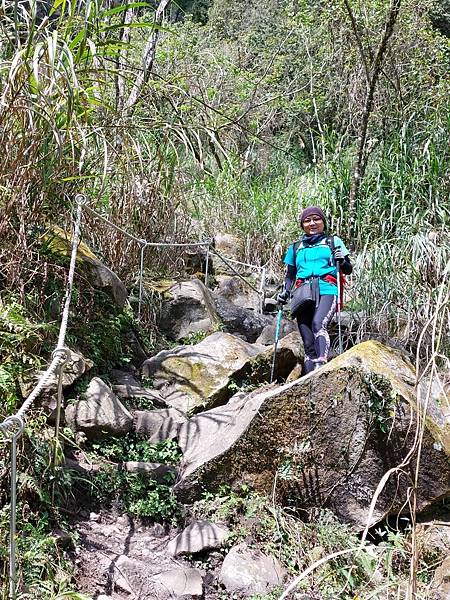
(59, 242)
(323, 440)
(200, 376)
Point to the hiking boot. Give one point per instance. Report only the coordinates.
(319, 362)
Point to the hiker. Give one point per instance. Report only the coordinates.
(312, 261)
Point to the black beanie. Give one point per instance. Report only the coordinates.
(312, 210)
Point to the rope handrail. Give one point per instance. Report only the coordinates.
(11, 427)
(210, 249)
(60, 352)
(142, 241)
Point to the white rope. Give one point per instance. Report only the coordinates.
(141, 241)
(60, 353)
(238, 262)
(12, 427)
(227, 262)
(209, 244)
(116, 227)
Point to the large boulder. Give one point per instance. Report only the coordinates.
(198, 537)
(267, 336)
(75, 367)
(99, 412)
(240, 321)
(129, 388)
(188, 308)
(249, 572)
(328, 438)
(98, 274)
(207, 374)
(237, 291)
(438, 413)
(181, 582)
(228, 246)
(158, 425)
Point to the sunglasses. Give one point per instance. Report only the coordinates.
(311, 220)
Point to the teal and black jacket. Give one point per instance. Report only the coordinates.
(305, 260)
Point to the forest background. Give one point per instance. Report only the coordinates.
(183, 119)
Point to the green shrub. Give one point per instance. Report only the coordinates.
(135, 493)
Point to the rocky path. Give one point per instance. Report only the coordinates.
(324, 440)
(120, 558)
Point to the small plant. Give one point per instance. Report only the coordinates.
(381, 399)
(133, 447)
(136, 493)
(194, 338)
(138, 403)
(273, 595)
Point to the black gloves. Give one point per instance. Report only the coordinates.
(283, 297)
(338, 255)
(343, 261)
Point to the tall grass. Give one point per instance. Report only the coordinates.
(402, 244)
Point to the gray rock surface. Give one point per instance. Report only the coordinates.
(199, 536)
(233, 289)
(240, 321)
(159, 425)
(181, 582)
(250, 572)
(128, 386)
(337, 430)
(188, 308)
(267, 336)
(289, 353)
(99, 412)
(191, 377)
(76, 366)
(440, 586)
(229, 246)
(98, 274)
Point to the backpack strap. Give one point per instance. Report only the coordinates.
(330, 242)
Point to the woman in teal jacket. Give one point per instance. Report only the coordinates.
(314, 258)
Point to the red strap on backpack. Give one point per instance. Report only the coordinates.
(342, 281)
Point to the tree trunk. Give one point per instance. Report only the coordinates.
(360, 161)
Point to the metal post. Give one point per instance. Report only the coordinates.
(207, 267)
(339, 299)
(17, 423)
(262, 290)
(141, 271)
(277, 335)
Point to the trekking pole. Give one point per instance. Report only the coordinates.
(277, 337)
(339, 293)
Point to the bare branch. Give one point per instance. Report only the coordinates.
(358, 40)
(148, 57)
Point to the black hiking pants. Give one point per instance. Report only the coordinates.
(313, 326)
